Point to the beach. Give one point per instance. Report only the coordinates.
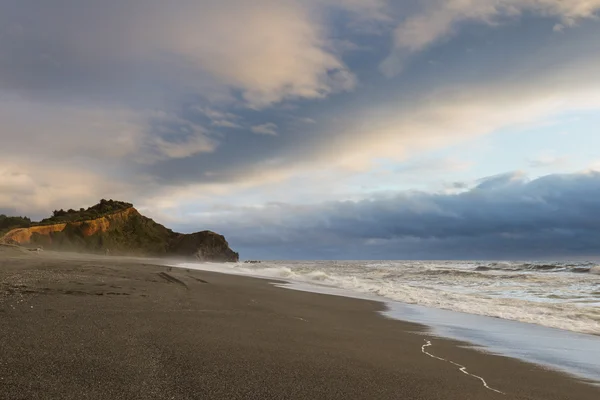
(78, 327)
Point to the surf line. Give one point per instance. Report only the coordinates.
(462, 368)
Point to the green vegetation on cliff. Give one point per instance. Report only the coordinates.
(135, 235)
(118, 228)
(104, 207)
(8, 223)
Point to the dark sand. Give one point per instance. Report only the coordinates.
(118, 329)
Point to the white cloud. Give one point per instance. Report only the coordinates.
(181, 147)
(548, 160)
(38, 129)
(69, 131)
(439, 18)
(270, 55)
(452, 114)
(37, 187)
(549, 215)
(303, 120)
(594, 167)
(352, 147)
(268, 50)
(226, 124)
(215, 115)
(265, 129)
(221, 119)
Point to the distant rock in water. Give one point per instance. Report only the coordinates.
(117, 228)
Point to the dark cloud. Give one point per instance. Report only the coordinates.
(503, 217)
(495, 67)
(8, 211)
(148, 99)
(459, 185)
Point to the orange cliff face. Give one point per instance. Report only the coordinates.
(23, 235)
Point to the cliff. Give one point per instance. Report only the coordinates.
(88, 228)
(121, 232)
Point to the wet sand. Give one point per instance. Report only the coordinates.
(109, 328)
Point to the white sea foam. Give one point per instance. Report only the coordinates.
(559, 295)
(564, 296)
(461, 368)
(570, 352)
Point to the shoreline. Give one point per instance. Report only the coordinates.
(135, 328)
(447, 286)
(575, 354)
(570, 352)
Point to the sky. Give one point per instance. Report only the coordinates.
(313, 129)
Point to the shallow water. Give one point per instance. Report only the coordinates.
(557, 295)
(574, 353)
(512, 309)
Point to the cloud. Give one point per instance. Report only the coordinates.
(428, 165)
(504, 216)
(173, 137)
(305, 120)
(500, 181)
(438, 19)
(185, 147)
(34, 188)
(226, 124)
(285, 38)
(339, 156)
(265, 129)
(219, 119)
(49, 130)
(150, 100)
(267, 50)
(70, 155)
(548, 161)
(75, 131)
(454, 113)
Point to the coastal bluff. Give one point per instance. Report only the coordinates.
(117, 228)
(88, 228)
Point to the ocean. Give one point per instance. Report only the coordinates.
(564, 295)
(542, 312)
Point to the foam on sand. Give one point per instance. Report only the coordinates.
(461, 368)
(450, 311)
(551, 295)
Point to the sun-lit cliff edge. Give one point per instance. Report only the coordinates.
(121, 230)
(22, 236)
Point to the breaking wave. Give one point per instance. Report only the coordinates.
(558, 267)
(558, 295)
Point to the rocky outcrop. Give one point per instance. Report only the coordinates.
(125, 232)
(204, 246)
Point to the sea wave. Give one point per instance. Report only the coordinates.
(540, 299)
(573, 268)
